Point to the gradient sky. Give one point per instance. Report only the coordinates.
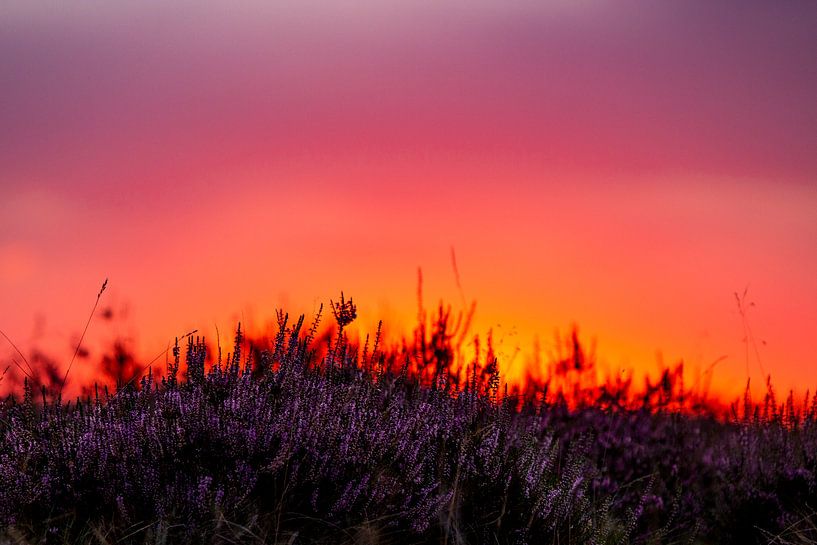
(623, 166)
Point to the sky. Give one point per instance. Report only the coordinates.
(622, 166)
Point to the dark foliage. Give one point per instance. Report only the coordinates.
(322, 441)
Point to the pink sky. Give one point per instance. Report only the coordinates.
(623, 167)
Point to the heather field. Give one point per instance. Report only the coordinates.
(645, 170)
(308, 437)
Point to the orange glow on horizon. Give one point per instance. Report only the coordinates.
(521, 366)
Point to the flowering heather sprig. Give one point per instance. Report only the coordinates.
(345, 311)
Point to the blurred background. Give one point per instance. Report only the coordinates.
(627, 167)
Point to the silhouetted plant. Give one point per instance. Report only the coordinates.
(317, 439)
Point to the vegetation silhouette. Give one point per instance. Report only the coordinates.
(308, 436)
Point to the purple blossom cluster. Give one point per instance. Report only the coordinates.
(293, 446)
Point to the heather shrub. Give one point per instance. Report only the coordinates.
(315, 439)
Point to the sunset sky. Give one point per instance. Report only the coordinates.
(623, 166)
